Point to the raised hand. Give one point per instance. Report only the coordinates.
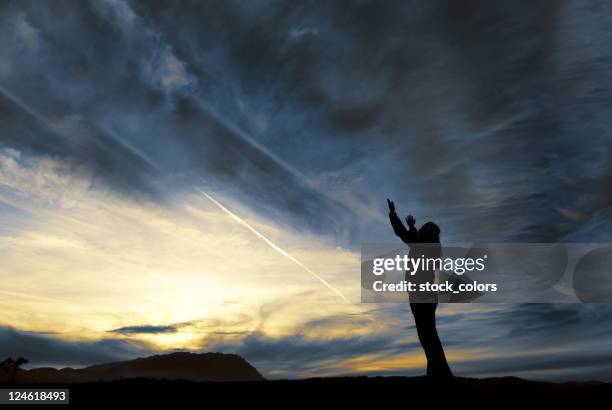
(391, 205)
(410, 220)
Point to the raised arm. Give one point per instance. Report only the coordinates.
(406, 235)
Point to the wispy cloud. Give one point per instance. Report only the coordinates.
(142, 329)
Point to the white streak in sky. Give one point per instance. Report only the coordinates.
(273, 245)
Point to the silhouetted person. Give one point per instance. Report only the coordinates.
(426, 242)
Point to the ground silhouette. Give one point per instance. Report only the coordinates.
(374, 392)
(232, 380)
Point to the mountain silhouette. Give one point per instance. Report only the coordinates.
(198, 367)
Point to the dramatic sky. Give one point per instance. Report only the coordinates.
(300, 118)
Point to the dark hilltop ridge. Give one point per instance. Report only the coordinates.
(197, 367)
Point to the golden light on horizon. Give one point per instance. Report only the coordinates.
(384, 363)
(87, 261)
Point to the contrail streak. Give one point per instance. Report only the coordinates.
(273, 245)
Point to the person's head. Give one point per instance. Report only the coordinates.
(429, 233)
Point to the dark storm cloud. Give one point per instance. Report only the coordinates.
(48, 350)
(144, 329)
(469, 113)
(489, 117)
(119, 98)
